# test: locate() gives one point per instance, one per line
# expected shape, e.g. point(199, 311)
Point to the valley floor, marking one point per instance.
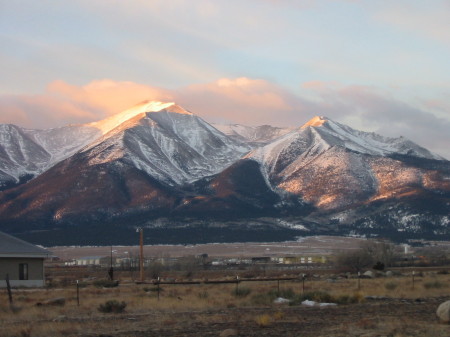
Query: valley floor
point(385, 306)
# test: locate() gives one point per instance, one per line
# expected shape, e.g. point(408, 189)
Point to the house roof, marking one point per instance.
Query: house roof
point(11, 246)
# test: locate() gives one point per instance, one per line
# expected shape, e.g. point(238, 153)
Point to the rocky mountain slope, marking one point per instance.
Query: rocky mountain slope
point(253, 135)
point(26, 153)
point(159, 166)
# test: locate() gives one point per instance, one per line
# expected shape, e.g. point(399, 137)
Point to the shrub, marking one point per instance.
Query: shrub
point(285, 293)
point(203, 294)
point(347, 299)
point(378, 266)
point(317, 296)
point(112, 306)
point(241, 292)
point(279, 315)
point(105, 283)
point(262, 299)
point(434, 285)
point(263, 320)
point(359, 297)
point(344, 299)
point(25, 332)
point(324, 297)
point(82, 284)
point(391, 285)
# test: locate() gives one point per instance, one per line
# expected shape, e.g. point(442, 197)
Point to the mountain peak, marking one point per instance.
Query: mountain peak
point(156, 106)
point(142, 108)
point(316, 121)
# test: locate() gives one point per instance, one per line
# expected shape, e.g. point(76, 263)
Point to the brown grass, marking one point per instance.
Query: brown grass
point(186, 306)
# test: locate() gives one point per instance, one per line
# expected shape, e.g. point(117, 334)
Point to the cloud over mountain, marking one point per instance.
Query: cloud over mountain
point(241, 100)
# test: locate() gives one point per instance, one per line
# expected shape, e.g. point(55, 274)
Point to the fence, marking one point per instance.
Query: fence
point(236, 281)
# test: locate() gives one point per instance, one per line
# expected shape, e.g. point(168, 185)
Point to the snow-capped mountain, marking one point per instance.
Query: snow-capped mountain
point(167, 142)
point(141, 161)
point(176, 149)
point(159, 163)
point(333, 166)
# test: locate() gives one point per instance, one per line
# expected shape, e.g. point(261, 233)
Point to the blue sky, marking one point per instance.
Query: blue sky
point(376, 65)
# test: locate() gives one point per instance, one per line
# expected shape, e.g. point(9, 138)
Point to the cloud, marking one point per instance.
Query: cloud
point(42, 111)
point(107, 95)
point(374, 109)
point(63, 103)
point(243, 100)
point(240, 100)
point(427, 20)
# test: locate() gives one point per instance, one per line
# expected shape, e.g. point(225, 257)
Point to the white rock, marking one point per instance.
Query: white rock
point(281, 300)
point(443, 312)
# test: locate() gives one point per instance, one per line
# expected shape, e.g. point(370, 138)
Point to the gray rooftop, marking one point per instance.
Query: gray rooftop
point(11, 246)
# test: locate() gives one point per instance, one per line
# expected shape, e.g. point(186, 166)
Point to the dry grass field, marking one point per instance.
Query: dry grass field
point(395, 308)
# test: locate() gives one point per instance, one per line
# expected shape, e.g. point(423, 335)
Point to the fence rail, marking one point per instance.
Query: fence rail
point(237, 280)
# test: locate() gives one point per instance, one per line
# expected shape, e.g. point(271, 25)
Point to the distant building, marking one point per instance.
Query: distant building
point(301, 259)
point(23, 262)
point(94, 261)
point(261, 259)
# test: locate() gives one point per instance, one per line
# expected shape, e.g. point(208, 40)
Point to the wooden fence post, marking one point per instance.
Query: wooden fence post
point(8, 286)
point(278, 288)
point(158, 289)
point(78, 294)
point(303, 284)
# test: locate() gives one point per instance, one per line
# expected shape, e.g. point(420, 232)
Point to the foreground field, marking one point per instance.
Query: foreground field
point(380, 307)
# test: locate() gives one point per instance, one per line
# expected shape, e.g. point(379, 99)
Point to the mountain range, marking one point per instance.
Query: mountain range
point(161, 167)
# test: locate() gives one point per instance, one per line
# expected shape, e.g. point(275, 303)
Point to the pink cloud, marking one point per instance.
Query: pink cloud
point(107, 95)
point(243, 100)
point(63, 103)
point(41, 111)
point(240, 100)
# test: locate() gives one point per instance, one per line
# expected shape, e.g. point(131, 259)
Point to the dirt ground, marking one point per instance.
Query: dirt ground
point(378, 318)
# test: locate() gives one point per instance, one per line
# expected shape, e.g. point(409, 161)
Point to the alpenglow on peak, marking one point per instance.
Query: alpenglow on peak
point(142, 108)
point(316, 121)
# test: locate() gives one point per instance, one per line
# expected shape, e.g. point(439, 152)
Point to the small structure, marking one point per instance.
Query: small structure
point(89, 260)
point(261, 259)
point(23, 262)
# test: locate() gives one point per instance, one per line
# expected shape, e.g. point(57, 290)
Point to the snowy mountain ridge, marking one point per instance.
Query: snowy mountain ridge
point(321, 133)
point(254, 135)
point(167, 142)
point(29, 153)
point(334, 166)
point(157, 161)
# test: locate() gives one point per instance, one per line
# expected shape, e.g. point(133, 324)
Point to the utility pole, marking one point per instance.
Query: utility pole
point(111, 268)
point(141, 253)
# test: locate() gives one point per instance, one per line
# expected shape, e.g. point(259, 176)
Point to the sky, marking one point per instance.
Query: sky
point(381, 66)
